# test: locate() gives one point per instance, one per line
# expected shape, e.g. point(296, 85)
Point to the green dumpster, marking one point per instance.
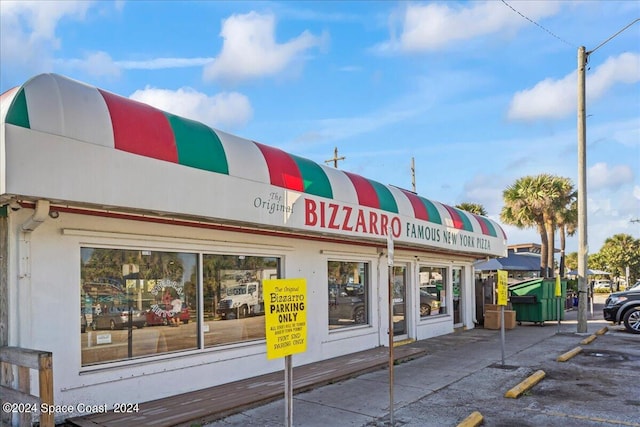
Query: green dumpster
point(535, 300)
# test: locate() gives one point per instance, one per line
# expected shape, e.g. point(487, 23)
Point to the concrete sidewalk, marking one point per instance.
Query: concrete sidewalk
point(460, 373)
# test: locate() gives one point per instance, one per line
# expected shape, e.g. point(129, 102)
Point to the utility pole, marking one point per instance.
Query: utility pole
point(335, 158)
point(583, 249)
point(582, 194)
point(413, 174)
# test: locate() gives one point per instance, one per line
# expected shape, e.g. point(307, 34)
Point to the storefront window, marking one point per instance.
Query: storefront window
point(433, 291)
point(348, 291)
point(136, 303)
point(233, 297)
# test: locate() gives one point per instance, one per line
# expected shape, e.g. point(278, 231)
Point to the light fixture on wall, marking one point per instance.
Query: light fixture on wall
point(54, 214)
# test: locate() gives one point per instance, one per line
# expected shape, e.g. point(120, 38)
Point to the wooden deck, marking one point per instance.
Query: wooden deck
point(213, 403)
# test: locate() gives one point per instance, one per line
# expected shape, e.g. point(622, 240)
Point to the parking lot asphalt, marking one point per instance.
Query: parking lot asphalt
point(463, 373)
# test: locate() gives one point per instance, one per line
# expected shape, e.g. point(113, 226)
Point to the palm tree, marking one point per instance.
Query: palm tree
point(567, 221)
point(560, 193)
point(535, 201)
point(523, 207)
point(474, 208)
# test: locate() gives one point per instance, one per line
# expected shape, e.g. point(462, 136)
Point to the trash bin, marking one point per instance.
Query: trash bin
point(535, 301)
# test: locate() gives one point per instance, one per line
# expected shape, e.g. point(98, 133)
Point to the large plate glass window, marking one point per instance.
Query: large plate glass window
point(234, 298)
point(433, 291)
point(348, 292)
point(136, 303)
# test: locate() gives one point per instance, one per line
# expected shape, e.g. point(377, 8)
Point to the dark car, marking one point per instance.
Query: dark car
point(346, 304)
point(118, 318)
point(624, 307)
point(162, 317)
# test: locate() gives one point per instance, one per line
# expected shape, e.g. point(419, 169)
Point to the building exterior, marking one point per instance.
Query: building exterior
point(521, 263)
point(134, 245)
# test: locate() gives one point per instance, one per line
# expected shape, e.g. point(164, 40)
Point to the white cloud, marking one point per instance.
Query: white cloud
point(557, 98)
point(601, 176)
point(224, 110)
point(343, 128)
point(485, 190)
point(101, 64)
point(434, 26)
point(163, 63)
point(251, 51)
point(28, 31)
point(95, 64)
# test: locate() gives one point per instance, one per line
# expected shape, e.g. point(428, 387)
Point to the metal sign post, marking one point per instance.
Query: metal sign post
point(502, 302)
point(559, 299)
point(286, 328)
point(391, 357)
point(288, 391)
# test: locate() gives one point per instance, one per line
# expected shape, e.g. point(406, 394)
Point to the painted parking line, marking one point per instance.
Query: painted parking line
point(525, 385)
point(569, 354)
point(473, 420)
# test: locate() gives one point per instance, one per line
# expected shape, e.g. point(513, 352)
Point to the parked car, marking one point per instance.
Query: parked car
point(346, 304)
point(118, 318)
point(161, 317)
point(602, 285)
point(624, 307)
point(636, 286)
point(428, 303)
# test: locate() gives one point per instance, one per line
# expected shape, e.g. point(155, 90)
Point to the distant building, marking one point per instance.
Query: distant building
point(522, 262)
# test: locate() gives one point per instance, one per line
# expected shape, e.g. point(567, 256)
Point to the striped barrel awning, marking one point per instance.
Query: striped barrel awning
point(57, 105)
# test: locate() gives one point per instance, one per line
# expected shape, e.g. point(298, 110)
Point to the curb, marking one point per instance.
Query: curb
point(569, 354)
point(525, 385)
point(473, 420)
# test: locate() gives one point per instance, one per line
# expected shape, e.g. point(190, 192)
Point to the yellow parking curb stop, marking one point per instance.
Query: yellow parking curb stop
point(588, 340)
point(602, 331)
point(525, 385)
point(473, 420)
point(569, 354)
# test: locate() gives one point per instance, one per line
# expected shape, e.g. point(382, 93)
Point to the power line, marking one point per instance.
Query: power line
point(607, 40)
point(538, 25)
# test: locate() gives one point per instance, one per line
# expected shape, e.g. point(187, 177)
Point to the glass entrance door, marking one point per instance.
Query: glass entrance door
point(456, 285)
point(399, 282)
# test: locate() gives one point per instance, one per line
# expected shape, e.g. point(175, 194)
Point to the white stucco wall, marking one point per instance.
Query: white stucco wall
point(44, 300)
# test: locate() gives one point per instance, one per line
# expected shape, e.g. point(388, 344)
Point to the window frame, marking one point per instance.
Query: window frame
point(154, 243)
point(368, 291)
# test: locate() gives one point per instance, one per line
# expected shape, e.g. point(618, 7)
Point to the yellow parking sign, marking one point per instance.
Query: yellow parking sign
point(502, 287)
point(285, 317)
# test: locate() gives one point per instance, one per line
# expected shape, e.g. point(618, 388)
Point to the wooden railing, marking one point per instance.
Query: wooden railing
point(21, 398)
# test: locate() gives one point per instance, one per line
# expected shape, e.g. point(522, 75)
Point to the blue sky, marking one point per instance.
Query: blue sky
point(479, 94)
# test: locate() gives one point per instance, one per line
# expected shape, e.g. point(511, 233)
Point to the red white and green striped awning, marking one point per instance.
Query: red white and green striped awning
point(105, 149)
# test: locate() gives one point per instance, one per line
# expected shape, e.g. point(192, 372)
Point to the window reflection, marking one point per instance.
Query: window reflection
point(348, 291)
point(432, 291)
point(233, 297)
point(125, 292)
